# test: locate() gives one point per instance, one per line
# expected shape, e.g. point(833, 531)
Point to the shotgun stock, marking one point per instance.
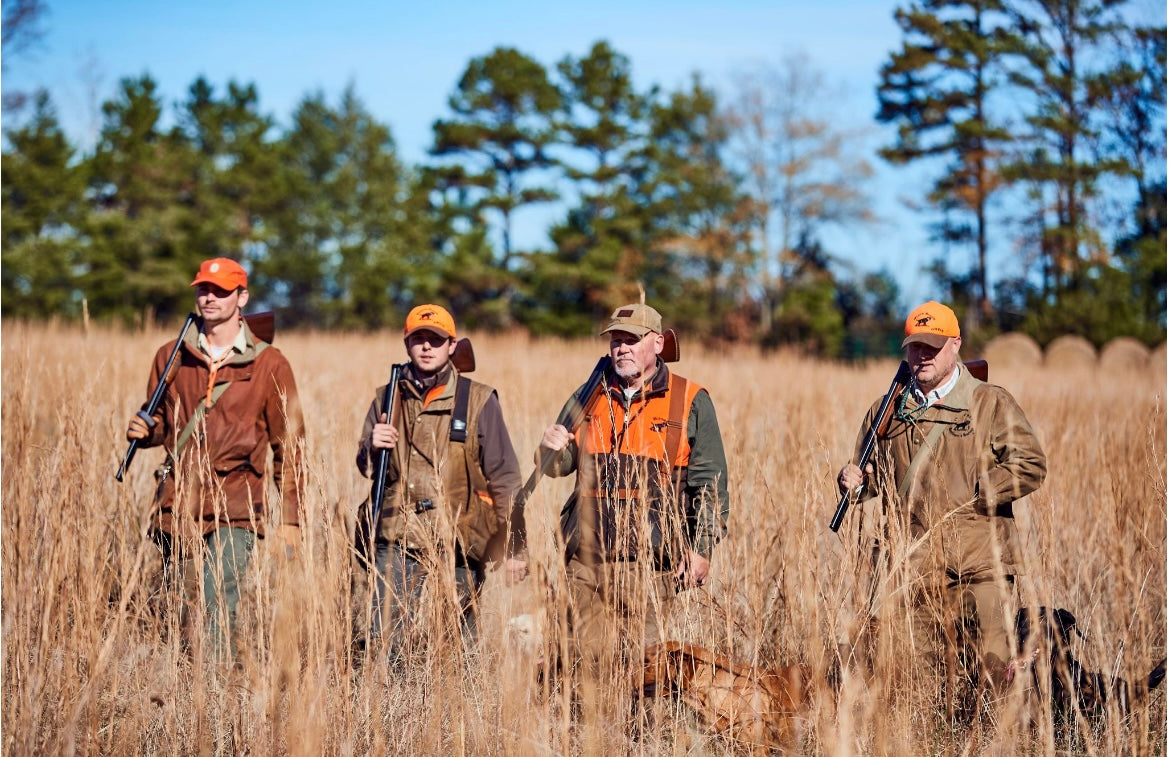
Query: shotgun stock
point(463, 358)
point(263, 325)
point(979, 369)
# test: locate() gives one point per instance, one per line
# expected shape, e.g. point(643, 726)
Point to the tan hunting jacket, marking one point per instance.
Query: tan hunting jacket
point(958, 500)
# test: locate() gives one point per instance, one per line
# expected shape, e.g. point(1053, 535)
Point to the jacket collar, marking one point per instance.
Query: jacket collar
point(447, 378)
point(191, 343)
point(962, 395)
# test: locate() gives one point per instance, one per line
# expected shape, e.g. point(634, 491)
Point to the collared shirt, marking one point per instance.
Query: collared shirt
point(936, 394)
point(240, 345)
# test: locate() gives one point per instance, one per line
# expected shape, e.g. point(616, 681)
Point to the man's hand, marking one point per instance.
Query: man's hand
point(138, 430)
point(517, 569)
point(850, 477)
point(693, 572)
point(555, 438)
point(383, 436)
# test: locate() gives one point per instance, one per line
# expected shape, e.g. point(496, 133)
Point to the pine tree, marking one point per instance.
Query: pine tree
point(698, 234)
point(138, 260)
point(350, 244)
point(43, 208)
point(937, 89)
point(1064, 67)
point(603, 129)
point(498, 136)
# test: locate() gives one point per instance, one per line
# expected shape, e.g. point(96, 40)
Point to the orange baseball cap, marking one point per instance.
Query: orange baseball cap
point(431, 317)
point(932, 323)
point(222, 272)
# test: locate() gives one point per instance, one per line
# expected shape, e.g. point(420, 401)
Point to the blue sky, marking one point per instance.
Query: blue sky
point(404, 59)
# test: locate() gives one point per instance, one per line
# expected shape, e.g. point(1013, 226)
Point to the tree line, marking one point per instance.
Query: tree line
point(715, 202)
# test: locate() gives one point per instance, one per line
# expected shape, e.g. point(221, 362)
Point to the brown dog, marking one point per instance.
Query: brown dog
point(758, 707)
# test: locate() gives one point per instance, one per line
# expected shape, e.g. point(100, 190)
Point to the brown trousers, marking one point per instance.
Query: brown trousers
point(617, 608)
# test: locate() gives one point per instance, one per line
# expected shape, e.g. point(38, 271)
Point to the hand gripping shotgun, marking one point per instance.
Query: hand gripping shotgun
point(978, 368)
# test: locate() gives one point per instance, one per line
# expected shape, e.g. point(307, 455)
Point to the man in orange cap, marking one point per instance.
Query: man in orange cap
point(231, 398)
point(450, 486)
point(956, 458)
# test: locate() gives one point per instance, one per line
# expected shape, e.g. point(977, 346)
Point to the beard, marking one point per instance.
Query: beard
point(627, 369)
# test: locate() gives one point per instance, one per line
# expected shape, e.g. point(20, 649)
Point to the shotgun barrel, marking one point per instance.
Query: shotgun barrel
point(147, 413)
point(900, 380)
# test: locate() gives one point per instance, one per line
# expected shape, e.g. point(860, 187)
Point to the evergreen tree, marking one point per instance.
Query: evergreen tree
point(603, 125)
point(1066, 70)
point(43, 207)
point(233, 168)
point(937, 88)
point(498, 137)
point(697, 249)
point(138, 260)
point(350, 245)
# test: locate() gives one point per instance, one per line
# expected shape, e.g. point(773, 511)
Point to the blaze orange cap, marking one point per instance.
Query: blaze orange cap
point(431, 317)
point(932, 323)
point(222, 272)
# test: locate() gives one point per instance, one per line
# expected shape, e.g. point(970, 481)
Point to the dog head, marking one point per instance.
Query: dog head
point(669, 668)
point(1057, 627)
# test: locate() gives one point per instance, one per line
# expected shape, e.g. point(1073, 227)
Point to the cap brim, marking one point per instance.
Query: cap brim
point(626, 327)
point(937, 341)
point(432, 329)
point(232, 286)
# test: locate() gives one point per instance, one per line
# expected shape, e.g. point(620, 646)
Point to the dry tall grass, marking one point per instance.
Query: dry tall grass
point(94, 664)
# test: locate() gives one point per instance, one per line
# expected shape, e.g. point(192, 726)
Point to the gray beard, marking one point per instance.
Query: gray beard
point(627, 372)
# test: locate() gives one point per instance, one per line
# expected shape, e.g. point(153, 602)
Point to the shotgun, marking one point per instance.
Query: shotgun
point(570, 417)
point(147, 413)
point(377, 492)
point(978, 368)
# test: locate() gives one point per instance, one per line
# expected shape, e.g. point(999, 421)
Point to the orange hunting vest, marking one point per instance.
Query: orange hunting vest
point(632, 467)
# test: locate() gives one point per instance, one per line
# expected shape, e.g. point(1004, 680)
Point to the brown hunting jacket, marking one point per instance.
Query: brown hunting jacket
point(436, 489)
point(221, 468)
point(983, 456)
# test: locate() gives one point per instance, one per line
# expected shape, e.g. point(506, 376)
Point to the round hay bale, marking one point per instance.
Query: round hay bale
point(1069, 352)
point(1157, 358)
point(1124, 353)
point(1012, 350)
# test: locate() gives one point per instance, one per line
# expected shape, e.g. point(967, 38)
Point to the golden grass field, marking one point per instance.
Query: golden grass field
point(90, 668)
